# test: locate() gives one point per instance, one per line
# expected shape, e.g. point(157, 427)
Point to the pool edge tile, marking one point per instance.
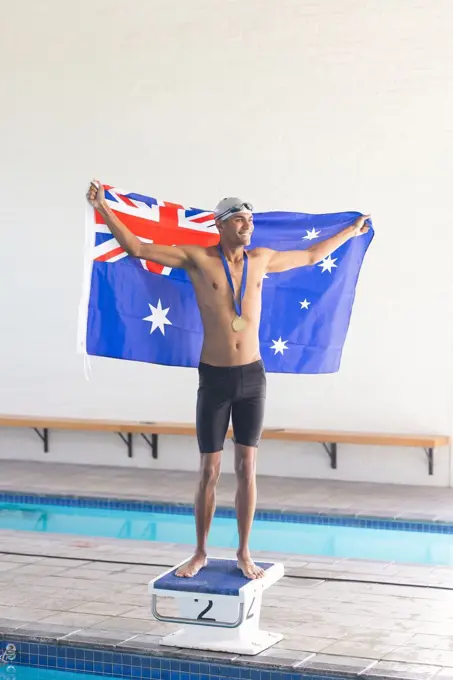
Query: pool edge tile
point(327, 515)
point(83, 656)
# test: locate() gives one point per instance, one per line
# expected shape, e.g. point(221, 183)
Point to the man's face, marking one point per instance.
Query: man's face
point(237, 229)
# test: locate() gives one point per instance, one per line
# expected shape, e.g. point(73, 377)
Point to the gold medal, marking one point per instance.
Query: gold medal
point(238, 323)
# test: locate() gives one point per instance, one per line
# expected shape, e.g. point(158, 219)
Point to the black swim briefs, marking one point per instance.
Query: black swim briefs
point(224, 391)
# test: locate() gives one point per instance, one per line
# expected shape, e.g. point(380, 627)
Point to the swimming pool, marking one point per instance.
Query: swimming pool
point(41, 661)
point(16, 672)
point(372, 539)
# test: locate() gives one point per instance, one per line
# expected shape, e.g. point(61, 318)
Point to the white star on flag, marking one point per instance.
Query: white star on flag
point(304, 304)
point(311, 234)
point(327, 264)
point(158, 318)
point(279, 345)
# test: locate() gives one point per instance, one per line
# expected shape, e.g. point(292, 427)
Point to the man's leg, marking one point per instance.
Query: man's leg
point(245, 468)
point(204, 511)
point(247, 417)
point(213, 417)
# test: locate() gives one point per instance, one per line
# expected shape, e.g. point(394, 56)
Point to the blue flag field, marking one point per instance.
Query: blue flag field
point(139, 311)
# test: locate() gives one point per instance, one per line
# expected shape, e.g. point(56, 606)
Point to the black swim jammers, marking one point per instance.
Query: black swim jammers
point(224, 391)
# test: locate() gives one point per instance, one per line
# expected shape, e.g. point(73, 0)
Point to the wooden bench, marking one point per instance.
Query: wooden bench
point(150, 431)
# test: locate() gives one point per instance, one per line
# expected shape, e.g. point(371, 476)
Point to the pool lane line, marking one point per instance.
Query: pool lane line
point(331, 579)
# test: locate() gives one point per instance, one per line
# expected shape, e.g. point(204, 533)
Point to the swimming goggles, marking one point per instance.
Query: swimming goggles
point(235, 209)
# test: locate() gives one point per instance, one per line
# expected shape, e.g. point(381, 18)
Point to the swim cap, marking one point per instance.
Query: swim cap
point(228, 206)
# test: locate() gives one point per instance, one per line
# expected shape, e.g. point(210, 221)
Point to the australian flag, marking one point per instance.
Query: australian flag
point(140, 311)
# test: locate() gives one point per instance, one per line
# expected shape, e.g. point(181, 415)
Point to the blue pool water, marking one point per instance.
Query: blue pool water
point(17, 672)
point(297, 537)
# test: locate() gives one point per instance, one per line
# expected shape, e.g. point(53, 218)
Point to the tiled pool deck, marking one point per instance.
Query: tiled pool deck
point(337, 616)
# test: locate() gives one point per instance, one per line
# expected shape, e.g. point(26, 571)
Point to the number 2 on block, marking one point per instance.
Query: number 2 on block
point(202, 616)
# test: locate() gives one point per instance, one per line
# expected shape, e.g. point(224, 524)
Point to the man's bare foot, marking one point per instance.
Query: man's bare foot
point(193, 566)
point(249, 568)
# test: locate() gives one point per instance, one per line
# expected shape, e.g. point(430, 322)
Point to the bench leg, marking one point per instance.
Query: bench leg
point(44, 435)
point(152, 443)
point(430, 455)
point(128, 441)
point(332, 453)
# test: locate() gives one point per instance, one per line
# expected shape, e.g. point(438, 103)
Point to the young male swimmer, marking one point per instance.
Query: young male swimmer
point(232, 382)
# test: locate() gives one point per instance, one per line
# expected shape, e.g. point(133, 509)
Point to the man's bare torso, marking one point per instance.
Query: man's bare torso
point(222, 345)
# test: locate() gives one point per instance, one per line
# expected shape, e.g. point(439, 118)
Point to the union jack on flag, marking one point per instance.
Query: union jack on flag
point(140, 311)
point(153, 222)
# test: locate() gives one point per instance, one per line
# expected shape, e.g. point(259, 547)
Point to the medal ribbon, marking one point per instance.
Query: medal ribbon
point(237, 306)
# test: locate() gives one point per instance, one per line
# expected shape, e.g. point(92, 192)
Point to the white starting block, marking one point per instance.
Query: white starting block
point(219, 607)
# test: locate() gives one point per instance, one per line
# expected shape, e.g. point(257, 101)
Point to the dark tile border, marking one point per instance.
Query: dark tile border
point(146, 660)
point(325, 517)
point(146, 663)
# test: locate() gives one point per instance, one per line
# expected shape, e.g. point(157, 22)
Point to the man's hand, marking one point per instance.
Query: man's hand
point(95, 194)
point(181, 257)
point(282, 261)
point(359, 227)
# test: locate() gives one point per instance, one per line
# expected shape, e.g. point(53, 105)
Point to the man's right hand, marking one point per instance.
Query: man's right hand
point(95, 194)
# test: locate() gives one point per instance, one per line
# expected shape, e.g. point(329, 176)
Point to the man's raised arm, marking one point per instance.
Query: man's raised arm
point(168, 256)
point(281, 261)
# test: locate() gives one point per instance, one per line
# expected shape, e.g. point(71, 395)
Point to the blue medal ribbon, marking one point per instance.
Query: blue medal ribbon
point(238, 306)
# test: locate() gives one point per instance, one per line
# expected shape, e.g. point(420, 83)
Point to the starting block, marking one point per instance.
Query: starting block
point(219, 608)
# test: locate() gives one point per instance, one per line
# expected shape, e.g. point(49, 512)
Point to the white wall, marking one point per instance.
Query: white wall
point(314, 106)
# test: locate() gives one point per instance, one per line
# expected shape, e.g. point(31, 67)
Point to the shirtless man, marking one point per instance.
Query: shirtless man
point(232, 378)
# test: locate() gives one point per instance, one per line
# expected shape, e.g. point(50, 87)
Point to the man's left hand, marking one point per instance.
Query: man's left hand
point(359, 227)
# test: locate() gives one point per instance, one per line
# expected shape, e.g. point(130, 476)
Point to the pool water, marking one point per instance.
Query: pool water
point(330, 540)
point(16, 672)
